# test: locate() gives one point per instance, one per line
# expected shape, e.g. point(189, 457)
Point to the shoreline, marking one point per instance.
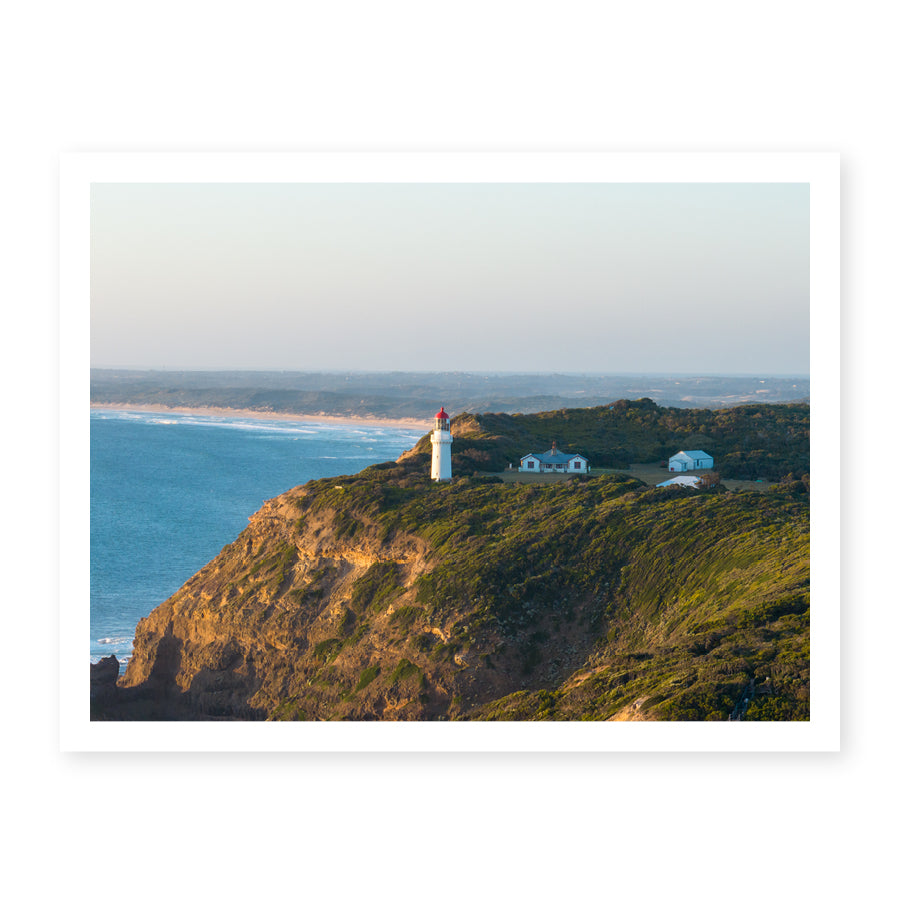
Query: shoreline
point(229, 412)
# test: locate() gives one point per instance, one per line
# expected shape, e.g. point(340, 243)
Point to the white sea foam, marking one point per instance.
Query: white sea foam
point(114, 642)
point(286, 426)
point(279, 428)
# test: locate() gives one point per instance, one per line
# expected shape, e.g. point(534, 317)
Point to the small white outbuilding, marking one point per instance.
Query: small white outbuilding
point(681, 481)
point(688, 460)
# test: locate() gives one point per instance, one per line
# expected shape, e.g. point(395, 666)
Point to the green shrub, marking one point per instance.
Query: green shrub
point(404, 617)
point(376, 586)
point(367, 677)
point(405, 669)
point(327, 649)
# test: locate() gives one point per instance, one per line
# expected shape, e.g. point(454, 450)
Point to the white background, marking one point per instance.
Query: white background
point(821, 172)
point(463, 76)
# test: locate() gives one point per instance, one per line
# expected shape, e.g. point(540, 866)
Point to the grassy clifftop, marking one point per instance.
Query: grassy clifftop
point(386, 596)
point(602, 593)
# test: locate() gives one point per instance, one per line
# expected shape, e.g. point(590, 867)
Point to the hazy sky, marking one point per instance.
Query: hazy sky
point(692, 278)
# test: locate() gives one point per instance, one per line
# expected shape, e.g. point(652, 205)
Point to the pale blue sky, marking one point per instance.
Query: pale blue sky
point(693, 278)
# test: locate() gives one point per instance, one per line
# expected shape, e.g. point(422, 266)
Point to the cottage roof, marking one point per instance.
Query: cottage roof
point(553, 456)
point(694, 454)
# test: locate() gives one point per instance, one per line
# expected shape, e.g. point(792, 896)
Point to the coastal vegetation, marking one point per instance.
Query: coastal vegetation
point(384, 595)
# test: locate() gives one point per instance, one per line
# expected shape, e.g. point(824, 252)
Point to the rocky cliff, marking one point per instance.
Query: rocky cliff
point(385, 596)
point(297, 618)
point(259, 625)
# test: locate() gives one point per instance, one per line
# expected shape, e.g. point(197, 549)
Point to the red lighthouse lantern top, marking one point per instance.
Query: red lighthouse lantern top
point(441, 421)
point(442, 414)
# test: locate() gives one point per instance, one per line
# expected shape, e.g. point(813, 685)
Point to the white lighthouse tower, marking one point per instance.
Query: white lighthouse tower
point(441, 439)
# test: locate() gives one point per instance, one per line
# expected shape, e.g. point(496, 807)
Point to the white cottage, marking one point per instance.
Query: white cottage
point(688, 460)
point(554, 461)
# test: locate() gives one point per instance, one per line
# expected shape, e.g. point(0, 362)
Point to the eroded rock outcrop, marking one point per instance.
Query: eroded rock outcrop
point(104, 675)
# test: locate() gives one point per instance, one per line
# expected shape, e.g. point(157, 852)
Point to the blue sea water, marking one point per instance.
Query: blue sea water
point(169, 491)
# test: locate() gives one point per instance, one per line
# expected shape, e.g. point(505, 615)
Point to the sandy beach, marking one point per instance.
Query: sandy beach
point(424, 424)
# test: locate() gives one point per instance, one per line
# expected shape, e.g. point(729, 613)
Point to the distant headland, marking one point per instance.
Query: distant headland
point(409, 397)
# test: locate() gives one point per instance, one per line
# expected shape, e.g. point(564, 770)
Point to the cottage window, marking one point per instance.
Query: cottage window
point(531, 464)
point(577, 464)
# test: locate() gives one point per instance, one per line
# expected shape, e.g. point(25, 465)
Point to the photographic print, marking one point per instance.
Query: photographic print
point(450, 451)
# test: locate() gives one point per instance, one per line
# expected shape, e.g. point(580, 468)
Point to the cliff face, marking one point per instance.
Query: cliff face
point(258, 626)
point(298, 619)
point(385, 596)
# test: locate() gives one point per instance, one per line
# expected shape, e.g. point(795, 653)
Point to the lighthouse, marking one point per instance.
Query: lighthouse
point(441, 439)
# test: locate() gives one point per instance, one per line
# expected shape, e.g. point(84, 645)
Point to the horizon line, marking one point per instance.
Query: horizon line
point(496, 372)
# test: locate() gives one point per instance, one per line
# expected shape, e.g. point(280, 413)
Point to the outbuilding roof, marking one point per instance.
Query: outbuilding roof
point(681, 481)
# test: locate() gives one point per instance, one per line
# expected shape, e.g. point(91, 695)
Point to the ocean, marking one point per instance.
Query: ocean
point(170, 490)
